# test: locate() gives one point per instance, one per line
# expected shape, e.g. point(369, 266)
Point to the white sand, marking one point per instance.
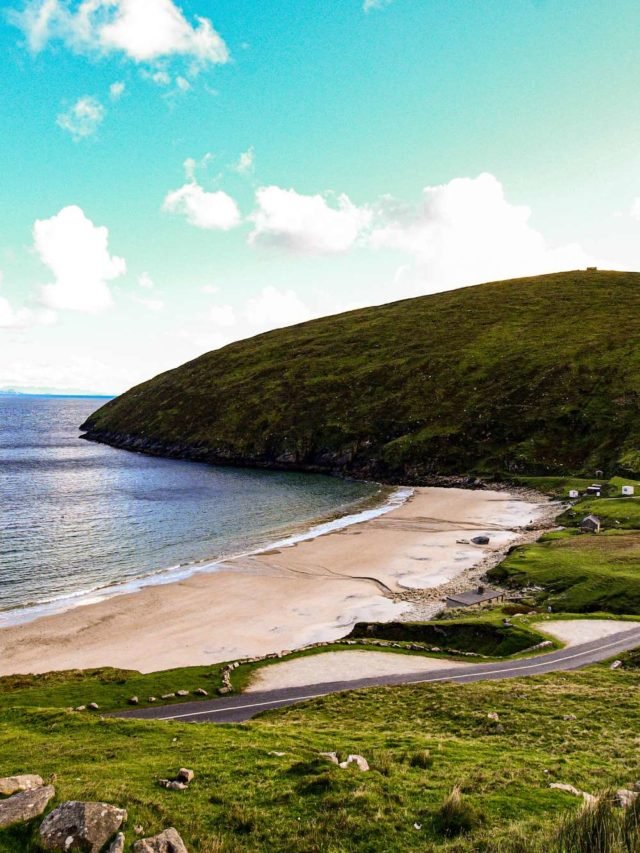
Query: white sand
point(572, 632)
point(311, 592)
point(343, 666)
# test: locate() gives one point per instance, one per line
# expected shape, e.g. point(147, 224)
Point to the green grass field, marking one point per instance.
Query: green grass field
point(420, 742)
point(483, 380)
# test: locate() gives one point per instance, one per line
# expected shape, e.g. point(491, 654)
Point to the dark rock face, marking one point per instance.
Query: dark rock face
point(81, 826)
point(167, 842)
point(25, 805)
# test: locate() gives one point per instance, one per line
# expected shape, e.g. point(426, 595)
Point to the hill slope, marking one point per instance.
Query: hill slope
point(537, 375)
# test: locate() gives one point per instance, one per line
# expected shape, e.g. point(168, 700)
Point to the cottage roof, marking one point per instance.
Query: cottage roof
point(472, 596)
point(591, 518)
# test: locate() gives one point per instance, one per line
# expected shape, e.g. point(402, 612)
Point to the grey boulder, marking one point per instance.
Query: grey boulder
point(14, 784)
point(25, 805)
point(167, 842)
point(81, 826)
point(118, 844)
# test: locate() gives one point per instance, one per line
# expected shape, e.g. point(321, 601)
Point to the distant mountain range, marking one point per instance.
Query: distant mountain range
point(536, 375)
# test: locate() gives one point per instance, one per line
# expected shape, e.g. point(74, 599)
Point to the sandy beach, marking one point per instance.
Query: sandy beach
point(285, 598)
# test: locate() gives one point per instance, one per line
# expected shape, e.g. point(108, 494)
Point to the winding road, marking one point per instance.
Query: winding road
point(237, 709)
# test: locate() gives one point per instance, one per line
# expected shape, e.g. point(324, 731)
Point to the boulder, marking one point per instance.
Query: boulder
point(168, 696)
point(134, 700)
point(25, 805)
point(492, 715)
point(624, 797)
point(81, 826)
point(172, 784)
point(480, 540)
point(185, 775)
point(330, 756)
point(167, 842)
point(93, 706)
point(182, 692)
point(359, 760)
point(14, 784)
point(200, 691)
point(616, 664)
point(568, 789)
point(118, 844)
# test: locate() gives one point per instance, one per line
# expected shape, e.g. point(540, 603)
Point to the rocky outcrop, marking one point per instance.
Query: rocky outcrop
point(14, 784)
point(167, 842)
point(81, 826)
point(25, 805)
point(118, 844)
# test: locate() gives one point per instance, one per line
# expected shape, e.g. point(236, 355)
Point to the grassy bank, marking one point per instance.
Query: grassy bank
point(420, 742)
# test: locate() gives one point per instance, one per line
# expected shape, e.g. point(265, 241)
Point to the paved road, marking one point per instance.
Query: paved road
point(236, 709)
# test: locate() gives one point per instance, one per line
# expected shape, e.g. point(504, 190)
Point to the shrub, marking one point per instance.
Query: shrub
point(456, 816)
point(422, 758)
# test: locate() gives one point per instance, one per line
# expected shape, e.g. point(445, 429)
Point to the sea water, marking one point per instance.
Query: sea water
point(80, 521)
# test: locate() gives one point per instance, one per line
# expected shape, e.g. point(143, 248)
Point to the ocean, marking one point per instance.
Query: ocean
point(80, 521)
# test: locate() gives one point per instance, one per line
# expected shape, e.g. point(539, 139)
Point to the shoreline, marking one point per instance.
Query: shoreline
point(387, 499)
point(289, 595)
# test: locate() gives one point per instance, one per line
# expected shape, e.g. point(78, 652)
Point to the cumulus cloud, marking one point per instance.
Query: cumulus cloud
point(223, 316)
point(307, 224)
point(466, 231)
point(215, 211)
point(273, 308)
point(116, 90)
point(77, 253)
point(246, 162)
point(83, 118)
point(142, 30)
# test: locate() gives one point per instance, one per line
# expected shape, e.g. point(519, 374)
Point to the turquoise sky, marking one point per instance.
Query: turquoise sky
point(344, 115)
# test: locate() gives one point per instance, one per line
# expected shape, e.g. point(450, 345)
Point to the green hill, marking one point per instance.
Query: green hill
point(538, 375)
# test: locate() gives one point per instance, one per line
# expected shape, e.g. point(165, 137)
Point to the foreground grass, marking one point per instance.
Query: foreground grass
point(420, 741)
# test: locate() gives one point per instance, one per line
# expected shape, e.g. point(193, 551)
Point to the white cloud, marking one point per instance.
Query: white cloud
point(149, 303)
point(466, 232)
point(183, 84)
point(246, 162)
point(142, 30)
point(368, 5)
point(83, 118)
point(145, 280)
point(222, 315)
point(77, 253)
point(306, 223)
point(161, 78)
point(274, 308)
point(215, 211)
point(116, 90)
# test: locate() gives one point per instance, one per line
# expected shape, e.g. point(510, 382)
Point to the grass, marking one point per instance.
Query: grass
point(420, 742)
point(377, 393)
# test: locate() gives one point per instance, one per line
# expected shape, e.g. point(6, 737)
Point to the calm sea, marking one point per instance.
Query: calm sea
point(77, 518)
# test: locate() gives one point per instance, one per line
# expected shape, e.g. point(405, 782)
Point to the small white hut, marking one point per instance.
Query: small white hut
point(628, 491)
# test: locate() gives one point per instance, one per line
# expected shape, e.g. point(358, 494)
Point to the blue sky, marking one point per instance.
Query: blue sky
point(179, 175)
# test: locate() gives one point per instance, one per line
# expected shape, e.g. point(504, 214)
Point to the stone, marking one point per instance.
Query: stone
point(14, 784)
point(359, 760)
point(93, 706)
point(200, 692)
point(624, 797)
point(616, 664)
point(182, 692)
point(167, 842)
point(569, 717)
point(492, 715)
point(330, 756)
point(168, 696)
point(172, 784)
point(185, 775)
point(224, 690)
point(80, 708)
point(151, 699)
point(480, 540)
point(25, 805)
point(81, 826)
point(118, 844)
point(134, 700)
point(568, 789)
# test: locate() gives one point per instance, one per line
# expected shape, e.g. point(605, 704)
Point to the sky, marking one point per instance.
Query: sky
point(179, 175)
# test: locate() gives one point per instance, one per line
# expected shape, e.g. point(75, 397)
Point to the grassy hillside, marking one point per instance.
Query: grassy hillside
point(534, 376)
point(262, 787)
